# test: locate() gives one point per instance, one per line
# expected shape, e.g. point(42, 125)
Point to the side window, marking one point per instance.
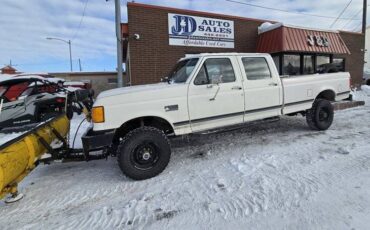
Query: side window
point(201, 78)
point(215, 70)
point(15, 91)
point(256, 68)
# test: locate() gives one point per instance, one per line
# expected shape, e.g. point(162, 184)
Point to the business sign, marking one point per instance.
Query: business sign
point(185, 30)
point(321, 41)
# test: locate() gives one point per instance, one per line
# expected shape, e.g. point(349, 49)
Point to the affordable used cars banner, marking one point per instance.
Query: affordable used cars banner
point(185, 30)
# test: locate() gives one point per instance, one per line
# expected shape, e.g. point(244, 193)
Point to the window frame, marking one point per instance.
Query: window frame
point(203, 62)
point(303, 63)
point(343, 61)
point(299, 61)
point(322, 55)
point(246, 75)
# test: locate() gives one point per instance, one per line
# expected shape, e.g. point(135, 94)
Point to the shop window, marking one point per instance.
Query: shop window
point(291, 64)
point(214, 71)
point(308, 64)
point(256, 68)
point(277, 62)
point(339, 64)
point(322, 63)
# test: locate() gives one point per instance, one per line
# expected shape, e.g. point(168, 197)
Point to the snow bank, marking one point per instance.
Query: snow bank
point(361, 95)
point(267, 26)
point(366, 89)
point(8, 137)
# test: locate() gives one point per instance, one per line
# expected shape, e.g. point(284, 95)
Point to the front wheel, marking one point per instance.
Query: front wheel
point(144, 153)
point(321, 115)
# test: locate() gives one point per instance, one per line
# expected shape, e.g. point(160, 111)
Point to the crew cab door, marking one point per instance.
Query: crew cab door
point(215, 95)
point(262, 88)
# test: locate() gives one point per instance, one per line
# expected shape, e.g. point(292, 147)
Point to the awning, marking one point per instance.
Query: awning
point(281, 38)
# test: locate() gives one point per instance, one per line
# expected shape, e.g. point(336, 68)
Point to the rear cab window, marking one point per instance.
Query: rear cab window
point(256, 68)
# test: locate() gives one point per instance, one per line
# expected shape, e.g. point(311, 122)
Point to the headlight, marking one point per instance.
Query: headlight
point(97, 114)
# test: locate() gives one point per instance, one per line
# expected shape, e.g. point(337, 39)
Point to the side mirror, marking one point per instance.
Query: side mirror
point(216, 80)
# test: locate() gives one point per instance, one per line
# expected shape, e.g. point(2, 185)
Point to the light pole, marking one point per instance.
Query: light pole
point(70, 49)
point(119, 43)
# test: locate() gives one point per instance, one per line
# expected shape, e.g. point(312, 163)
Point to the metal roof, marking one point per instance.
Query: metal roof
point(294, 39)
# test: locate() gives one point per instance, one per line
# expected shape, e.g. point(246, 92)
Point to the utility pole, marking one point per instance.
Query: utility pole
point(364, 17)
point(119, 43)
point(79, 62)
point(70, 55)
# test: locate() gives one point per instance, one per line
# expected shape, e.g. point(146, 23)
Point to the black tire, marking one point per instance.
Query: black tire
point(368, 82)
point(144, 153)
point(321, 115)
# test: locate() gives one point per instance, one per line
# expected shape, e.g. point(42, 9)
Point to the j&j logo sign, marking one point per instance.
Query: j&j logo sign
point(184, 25)
point(187, 30)
point(321, 41)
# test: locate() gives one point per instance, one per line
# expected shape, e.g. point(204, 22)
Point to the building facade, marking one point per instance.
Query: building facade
point(100, 81)
point(156, 37)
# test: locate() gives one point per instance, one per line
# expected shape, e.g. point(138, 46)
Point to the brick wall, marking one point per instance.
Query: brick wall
point(152, 57)
point(354, 61)
point(99, 81)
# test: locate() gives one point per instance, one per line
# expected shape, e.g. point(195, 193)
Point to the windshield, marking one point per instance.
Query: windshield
point(182, 70)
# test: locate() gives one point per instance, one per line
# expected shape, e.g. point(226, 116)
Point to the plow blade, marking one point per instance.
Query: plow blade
point(20, 156)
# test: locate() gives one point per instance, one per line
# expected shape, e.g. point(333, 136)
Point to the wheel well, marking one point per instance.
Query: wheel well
point(327, 95)
point(156, 122)
point(368, 82)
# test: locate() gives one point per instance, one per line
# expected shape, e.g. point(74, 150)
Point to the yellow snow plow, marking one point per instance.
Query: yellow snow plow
point(21, 155)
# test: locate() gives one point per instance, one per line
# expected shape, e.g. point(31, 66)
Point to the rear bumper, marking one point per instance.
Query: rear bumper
point(93, 141)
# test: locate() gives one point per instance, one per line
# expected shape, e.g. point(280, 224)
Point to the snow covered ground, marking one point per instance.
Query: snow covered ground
point(277, 175)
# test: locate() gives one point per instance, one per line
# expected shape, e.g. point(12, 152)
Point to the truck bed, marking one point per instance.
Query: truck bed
point(300, 91)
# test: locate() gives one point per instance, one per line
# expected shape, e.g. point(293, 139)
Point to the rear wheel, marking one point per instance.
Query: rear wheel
point(321, 115)
point(144, 153)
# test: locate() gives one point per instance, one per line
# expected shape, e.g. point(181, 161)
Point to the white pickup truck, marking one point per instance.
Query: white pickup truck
point(205, 92)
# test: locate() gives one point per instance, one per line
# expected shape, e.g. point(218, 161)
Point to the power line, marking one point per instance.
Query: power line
point(345, 8)
point(356, 29)
point(286, 11)
point(82, 17)
point(354, 16)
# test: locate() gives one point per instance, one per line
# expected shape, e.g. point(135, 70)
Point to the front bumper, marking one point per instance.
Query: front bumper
point(94, 141)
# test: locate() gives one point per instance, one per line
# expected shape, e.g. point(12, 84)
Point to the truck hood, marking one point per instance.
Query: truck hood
point(141, 92)
point(134, 89)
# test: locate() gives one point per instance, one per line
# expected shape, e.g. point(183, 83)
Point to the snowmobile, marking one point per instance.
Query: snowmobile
point(27, 101)
point(42, 110)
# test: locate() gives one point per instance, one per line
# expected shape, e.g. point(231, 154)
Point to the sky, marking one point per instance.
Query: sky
point(25, 25)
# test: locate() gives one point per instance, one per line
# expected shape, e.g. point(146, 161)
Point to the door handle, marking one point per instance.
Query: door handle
point(236, 88)
point(273, 84)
